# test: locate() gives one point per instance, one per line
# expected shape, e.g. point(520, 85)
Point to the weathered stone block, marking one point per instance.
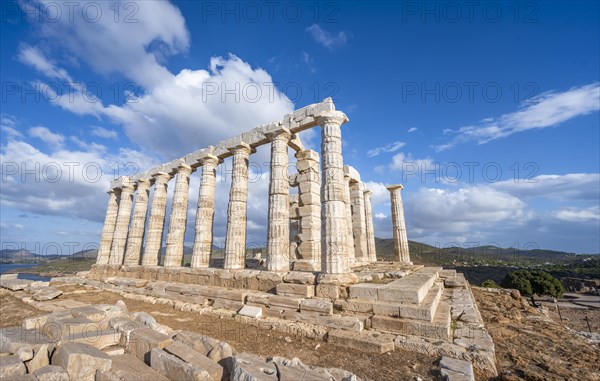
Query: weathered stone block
point(39, 360)
point(456, 370)
point(174, 368)
point(329, 291)
point(367, 291)
point(248, 367)
point(81, 361)
point(143, 340)
point(317, 305)
point(11, 367)
point(365, 341)
point(198, 360)
point(251, 311)
point(295, 290)
point(299, 277)
point(51, 373)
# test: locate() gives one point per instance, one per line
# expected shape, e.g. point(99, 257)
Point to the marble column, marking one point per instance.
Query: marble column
point(400, 238)
point(156, 221)
point(278, 235)
point(205, 213)
point(359, 226)
point(370, 229)
point(235, 241)
point(178, 219)
point(334, 226)
point(350, 236)
point(117, 249)
point(108, 230)
point(135, 238)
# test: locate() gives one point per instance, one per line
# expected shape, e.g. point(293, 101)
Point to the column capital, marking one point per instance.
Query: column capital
point(184, 169)
point(392, 188)
point(332, 117)
point(209, 159)
point(241, 147)
point(368, 192)
point(143, 183)
point(281, 134)
point(161, 178)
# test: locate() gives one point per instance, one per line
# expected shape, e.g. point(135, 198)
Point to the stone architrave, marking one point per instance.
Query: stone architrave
point(205, 213)
point(278, 243)
point(370, 229)
point(235, 241)
point(334, 226)
point(117, 249)
point(350, 236)
point(108, 230)
point(359, 225)
point(399, 226)
point(156, 221)
point(178, 220)
point(135, 238)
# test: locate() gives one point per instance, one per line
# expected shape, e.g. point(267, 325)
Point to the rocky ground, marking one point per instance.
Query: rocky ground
point(532, 344)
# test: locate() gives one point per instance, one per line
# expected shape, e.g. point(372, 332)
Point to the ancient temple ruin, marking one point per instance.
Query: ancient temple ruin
point(320, 276)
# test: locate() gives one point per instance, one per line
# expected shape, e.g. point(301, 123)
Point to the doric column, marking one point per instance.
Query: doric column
point(334, 227)
point(235, 241)
point(178, 220)
point(370, 229)
point(350, 235)
point(400, 239)
point(138, 222)
point(359, 225)
point(156, 223)
point(117, 249)
point(278, 235)
point(108, 230)
point(205, 213)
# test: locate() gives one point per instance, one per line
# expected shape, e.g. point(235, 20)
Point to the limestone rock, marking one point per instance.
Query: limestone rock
point(251, 311)
point(11, 367)
point(143, 340)
point(174, 368)
point(215, 349)
point(39, 360)
point(126, 367)
point(196, 359)
point(456, 370)
point(81, 360)
point(24, 352)
point(51, 373)
point(248, 367)
point(47, 293)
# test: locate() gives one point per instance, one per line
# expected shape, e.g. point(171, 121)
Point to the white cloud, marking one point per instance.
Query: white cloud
point(309, 61)
point(391, 147)
point(579, 215)
point(327, 39)
point(412, 129)
point(568, 187)
point(51, 139)
point(104, 133)
point(132, 47)
point(8, 124)
point(546, 110)
point(35, 57)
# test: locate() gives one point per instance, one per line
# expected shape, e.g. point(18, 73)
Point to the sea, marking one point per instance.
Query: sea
point(4, 267)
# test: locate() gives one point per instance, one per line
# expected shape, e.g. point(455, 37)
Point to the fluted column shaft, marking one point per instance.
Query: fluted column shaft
point(278, 235)
point(235, 241)
point(334, 226)
point(178, 219)
point(117, 249)
point(156, 223)
point(370, 229)
point(359, 226)
point(350, 234)
point(205, 213)
point(138, 223)
point(400, 238)
point(108, 229)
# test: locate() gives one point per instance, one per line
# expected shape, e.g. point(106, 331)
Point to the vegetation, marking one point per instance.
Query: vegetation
point(530, 283)
point(489, 283)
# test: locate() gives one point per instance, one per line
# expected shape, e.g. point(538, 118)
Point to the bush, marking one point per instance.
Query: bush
point(489, 283)
point(534, 282)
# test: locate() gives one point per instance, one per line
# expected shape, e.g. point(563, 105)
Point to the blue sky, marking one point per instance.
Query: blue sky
point(487, 113)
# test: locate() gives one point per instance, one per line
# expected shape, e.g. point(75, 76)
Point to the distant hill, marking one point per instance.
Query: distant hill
point(425, 254)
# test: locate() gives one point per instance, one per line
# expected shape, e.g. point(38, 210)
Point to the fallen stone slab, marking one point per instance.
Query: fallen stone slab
point(8, 276)
point(249, 367)
point(294, 369)
point(99, 339)
point(40, 359)
point(142, 341)
point(11, 367)
point(114, 351)
point(126, 367)
point(12, 338)
point(323, 306)
point(216, 350)
point(51, 373)
point(175, 368)
point(81, 360)
point(456, 370)
point(198, 360)
point(15, 284)
point(374, 342)
point(46, 293)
